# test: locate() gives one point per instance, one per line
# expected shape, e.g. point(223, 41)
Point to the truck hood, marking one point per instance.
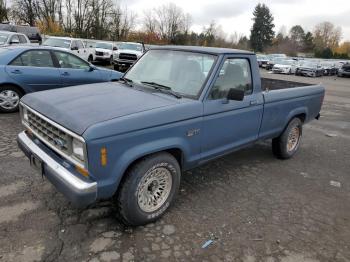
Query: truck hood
point(129, 51)
point(77, 108)
point(104, 50)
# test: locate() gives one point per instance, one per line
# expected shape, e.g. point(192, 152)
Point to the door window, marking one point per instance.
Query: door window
point(22, 39)
point(80, 45)
point(36, 58)
point(14, 39)
point(67, 60)
point(235, 73)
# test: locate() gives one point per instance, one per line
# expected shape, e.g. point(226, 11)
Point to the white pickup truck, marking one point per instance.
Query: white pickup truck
point(74, 45)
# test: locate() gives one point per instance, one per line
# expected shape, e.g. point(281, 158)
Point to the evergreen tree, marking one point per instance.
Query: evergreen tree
point(309, 42)
point(262, 33)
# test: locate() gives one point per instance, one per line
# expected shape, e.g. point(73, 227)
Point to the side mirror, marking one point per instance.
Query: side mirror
point(115, 48)
point(92, 68)
point(74, 48)
point(235, 94)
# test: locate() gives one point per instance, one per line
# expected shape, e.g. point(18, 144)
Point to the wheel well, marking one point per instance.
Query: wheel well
point(175, 152)
point(302, 117)
point(14, 85)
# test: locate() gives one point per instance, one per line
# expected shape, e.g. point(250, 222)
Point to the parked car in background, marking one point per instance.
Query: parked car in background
point(285, 67)
point(31, 32)
point(329, 68)
point(11, 38)
point(105, 52)
point(344, 70)
point(75, 46)
point(276, 60)
point(262, 60)
point(27, 69)
point(131, 141)
point(309, 68)
point(127, 54)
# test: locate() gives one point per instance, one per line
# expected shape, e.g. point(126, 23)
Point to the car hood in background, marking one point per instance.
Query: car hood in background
point(129, 51)
point(282, 66)
point(103, 50)
point(77, 108)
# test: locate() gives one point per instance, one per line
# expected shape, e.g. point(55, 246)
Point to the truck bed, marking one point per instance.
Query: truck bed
point(275, 84)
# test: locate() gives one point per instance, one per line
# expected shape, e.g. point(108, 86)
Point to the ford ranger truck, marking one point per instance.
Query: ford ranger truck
point(175, 109)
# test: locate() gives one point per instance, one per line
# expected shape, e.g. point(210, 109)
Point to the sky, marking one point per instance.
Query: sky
point(236, 15)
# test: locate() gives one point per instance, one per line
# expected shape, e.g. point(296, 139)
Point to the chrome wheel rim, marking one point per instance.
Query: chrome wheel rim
point(293, 139)
point(154, 189)
point(9, 99)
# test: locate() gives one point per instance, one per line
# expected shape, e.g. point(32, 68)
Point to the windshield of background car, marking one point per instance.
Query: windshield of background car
point(104, 46)
point(3, 38)
point(287, 62)
point(135, 47)
point(57, 42)
point(184, 72)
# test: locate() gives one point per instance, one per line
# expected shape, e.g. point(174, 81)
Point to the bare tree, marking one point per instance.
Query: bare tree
point(326, 35)
point(170, 21)
point(149, 21)
point(23, 11)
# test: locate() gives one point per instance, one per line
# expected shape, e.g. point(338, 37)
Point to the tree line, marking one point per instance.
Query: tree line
point(169, 24)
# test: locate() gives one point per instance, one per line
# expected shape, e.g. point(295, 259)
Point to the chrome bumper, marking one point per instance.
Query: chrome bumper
point(78, 191)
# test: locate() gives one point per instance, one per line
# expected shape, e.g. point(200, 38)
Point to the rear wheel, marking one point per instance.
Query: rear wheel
point(148, 189)
point(287, 144)
point(9, 99)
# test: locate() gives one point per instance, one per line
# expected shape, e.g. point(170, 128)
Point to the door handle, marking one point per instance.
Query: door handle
point(17, 72)
point(253, 102)
point(65, 74)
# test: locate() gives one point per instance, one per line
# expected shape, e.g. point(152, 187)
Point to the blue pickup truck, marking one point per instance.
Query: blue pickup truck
point(175, 109)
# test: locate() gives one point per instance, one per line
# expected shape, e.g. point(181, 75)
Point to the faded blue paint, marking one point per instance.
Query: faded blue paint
point(132, 123)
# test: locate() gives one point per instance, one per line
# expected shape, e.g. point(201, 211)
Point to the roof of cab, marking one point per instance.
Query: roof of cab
point(203, 49)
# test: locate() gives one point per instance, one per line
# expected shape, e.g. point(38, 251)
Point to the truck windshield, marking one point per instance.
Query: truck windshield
point(57, 42)
point(130, 46)
point(3, 38)
point(104, 46)
point(184, 72)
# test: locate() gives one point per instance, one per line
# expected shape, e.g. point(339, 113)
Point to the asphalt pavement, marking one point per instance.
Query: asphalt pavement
point(249, 205)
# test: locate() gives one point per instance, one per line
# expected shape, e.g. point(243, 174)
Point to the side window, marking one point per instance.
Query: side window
point(22, 39)
point(80, 45)
point(67, 60)
point(235, 73)
point(36, 58)
point(74, 45)
point(14, 39)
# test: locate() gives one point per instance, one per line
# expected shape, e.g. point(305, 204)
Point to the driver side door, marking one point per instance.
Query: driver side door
point(75, 71)
point(229, 124)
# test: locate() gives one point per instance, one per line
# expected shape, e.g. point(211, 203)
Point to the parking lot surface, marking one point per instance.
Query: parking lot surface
point(252, 206)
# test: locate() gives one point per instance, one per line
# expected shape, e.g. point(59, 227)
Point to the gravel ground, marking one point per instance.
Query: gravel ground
point(253, 206)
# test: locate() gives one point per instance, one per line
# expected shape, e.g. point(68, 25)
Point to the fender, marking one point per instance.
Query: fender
point(139, 151)
point(295, 112)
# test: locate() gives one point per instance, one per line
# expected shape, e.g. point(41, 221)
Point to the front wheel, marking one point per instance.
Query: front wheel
point(148, 189)
point(9, 99)
point(287, 144)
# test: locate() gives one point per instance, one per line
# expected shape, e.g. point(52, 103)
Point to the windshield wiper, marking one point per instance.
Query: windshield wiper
point(126, 81)
point(163, 88)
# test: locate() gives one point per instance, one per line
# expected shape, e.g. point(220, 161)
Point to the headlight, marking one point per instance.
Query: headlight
point(78, 148)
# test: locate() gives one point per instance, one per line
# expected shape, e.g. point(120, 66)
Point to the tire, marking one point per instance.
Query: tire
point(90, 59)
point(132, 209)
point(111, 60)
point(116, 67)
point(12, 95)
point(287, 144)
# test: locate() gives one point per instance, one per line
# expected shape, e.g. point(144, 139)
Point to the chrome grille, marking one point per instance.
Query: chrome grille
point(51, 134)
point(127, 56)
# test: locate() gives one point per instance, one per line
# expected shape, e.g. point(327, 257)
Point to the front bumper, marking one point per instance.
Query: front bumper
point(102, 58)
point(124, 62)
point(80, 192)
